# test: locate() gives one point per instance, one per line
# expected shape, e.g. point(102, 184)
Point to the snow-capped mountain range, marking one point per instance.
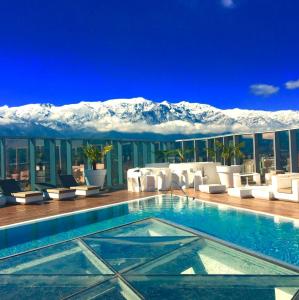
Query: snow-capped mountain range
point(137, 117)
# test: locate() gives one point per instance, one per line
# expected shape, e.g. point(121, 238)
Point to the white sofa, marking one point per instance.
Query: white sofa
point(176, 175)
point(286, 187)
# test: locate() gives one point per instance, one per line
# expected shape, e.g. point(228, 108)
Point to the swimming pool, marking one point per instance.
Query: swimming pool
point(277, 238)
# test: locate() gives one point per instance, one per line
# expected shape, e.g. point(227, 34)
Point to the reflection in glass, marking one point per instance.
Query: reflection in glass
point(78, 160)
point(61, 159)
point(115, 156)
point(42, 160)
point(283, 150)
point(247, 161)
point(127, 157)
point(265, 144)
point(17, 160)
point(188, 147)
point(201, 150)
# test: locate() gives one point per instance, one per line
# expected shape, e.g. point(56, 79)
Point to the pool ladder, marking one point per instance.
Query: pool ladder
point(180, 188)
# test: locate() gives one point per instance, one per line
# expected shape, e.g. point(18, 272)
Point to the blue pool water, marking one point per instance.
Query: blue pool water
point(256, 232)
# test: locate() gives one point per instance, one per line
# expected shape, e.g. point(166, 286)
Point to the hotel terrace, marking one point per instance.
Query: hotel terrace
point(129, 239)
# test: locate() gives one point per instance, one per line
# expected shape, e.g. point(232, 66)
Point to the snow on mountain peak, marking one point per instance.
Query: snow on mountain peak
point(140, 115)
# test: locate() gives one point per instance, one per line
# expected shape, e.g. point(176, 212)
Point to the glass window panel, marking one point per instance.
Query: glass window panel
point(114, 164)
point(297, 148)
point(247, 150)
point(283, 150)
point(17, 160)
point(42, 161)
point(201, 150)
point(127, 157)
point(148, 153)
point(265, 143)
point(78, 160)
point(140, 154)
point(218, 151)
point(211, 145)
point(159, 157)
point(61, 156)
point(188, 147)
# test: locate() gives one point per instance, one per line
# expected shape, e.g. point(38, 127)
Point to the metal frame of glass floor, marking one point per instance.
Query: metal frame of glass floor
point(147, 259)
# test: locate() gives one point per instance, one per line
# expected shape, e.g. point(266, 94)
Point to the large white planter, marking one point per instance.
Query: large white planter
point(95, 177)
point(226, 174)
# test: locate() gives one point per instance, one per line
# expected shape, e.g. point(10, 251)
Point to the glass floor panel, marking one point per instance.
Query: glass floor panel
point(66, 258)
point(215, 287)
point(113, 289)
point(147, 227)
point(45, 286)
point(145, 259)
point(202, 256)
point(128, 252)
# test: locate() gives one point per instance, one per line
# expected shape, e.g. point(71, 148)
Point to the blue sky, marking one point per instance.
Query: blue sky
point(227, 53)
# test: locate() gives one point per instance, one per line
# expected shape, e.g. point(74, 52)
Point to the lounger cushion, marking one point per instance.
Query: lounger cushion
point(84, 187)
point(27, 194)
point(26, 197)
point(59, 191)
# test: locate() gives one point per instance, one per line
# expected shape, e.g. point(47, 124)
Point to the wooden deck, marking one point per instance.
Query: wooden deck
point(18, 213)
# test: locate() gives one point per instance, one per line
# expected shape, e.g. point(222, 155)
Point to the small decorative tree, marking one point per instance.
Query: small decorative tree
point(178, 153)
point(95, 155)
point(227, 152)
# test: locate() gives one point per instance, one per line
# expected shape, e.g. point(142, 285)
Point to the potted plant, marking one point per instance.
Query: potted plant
point(96, 176)
point(179, 154)
point(227, 153)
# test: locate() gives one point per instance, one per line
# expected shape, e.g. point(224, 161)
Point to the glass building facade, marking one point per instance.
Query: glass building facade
point(38, 160)
point(262, 152)
point(32, 161)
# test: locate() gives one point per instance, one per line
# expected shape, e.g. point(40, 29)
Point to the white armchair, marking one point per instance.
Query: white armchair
point(179, 178)
point(199, 179)
point(286, 187)
point(133, 178)
point(163, 183)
